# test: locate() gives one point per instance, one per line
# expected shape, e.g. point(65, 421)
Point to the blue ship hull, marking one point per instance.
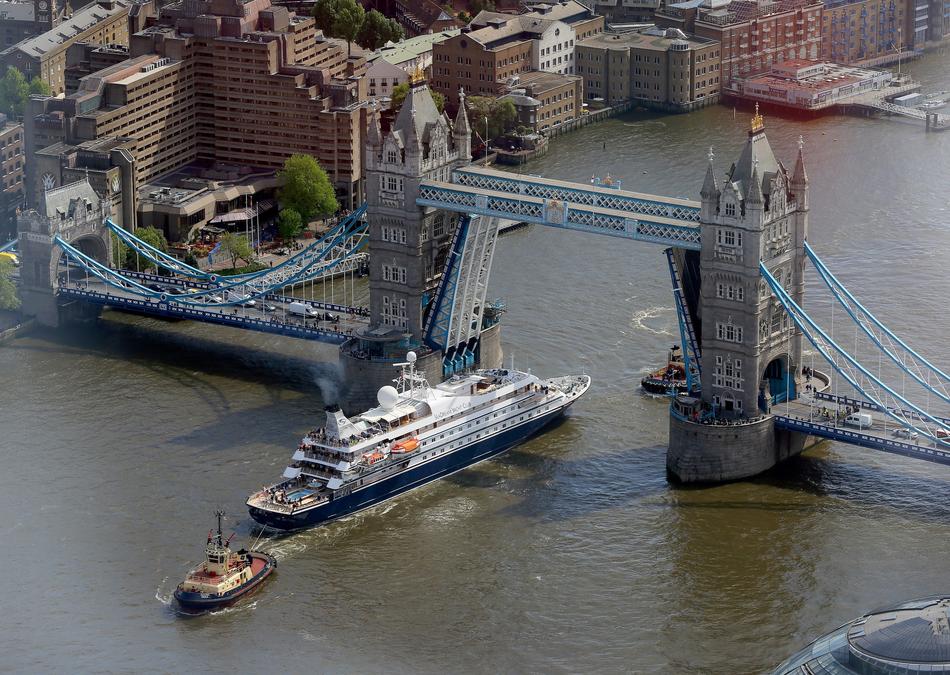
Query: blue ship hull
point(410, 479)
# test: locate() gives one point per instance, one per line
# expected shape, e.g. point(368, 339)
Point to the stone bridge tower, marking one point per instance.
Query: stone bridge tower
point(751, 350)
point(408, 244)
point(77, 214)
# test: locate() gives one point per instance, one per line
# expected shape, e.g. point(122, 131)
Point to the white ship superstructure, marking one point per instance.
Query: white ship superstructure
point(416, 434)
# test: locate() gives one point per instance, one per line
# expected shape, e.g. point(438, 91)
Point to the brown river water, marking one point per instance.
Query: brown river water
point(570, 554)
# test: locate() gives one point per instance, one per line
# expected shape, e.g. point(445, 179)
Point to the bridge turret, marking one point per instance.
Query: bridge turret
point(710, 192)
point(799, 183)
point(462, 132)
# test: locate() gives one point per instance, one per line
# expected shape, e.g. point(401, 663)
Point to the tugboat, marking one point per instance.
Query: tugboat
point(669, 380)
point(224, 576)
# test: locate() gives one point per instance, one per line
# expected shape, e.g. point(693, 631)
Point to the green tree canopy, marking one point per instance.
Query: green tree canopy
point(236, 247)
point(38, 86)
point(306, 188)
point(478, 5)
point(15, 90)
point(464, 17)
point(377, 30)
point(289, 224)
point(501, 115)
point(339, 19)
point(8, 295)
point(152, 236)
point(401, 91)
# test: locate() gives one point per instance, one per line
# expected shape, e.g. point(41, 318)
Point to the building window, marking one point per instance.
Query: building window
point(728, 332)
point(730, 238)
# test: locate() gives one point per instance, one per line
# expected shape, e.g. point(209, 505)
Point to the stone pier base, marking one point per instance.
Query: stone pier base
point(708, 453)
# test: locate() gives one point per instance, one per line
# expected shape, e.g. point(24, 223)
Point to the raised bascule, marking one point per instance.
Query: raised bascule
point(736, 258)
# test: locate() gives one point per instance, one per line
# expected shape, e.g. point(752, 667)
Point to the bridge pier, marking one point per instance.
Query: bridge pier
point(713, 453)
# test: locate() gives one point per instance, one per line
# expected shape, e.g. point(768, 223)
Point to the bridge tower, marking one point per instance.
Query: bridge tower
point(751, 350)
point(77, 214)
point(409, 245)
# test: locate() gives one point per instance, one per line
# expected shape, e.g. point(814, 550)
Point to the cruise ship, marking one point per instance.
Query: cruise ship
point(417, 434)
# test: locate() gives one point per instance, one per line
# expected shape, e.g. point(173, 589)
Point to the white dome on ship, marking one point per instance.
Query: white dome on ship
point(411, 357)
point(388, 397)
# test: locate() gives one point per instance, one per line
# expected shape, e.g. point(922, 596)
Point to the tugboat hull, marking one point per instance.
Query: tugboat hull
point(263, 566)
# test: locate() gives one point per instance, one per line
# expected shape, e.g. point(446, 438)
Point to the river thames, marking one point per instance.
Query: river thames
point(570, 554)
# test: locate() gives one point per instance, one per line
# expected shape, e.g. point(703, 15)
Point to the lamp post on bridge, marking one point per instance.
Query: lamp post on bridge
point(486, 140)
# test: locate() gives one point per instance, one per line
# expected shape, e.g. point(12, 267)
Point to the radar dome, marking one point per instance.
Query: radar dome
point(387, 397)
point(411, 357)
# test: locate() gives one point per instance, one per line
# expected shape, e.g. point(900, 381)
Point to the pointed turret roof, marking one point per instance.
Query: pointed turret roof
point(375, 134)
point(756, 153)
point(461, 119)
point(754, 195)
point(418, 112)
point(710, 186)
point(799, 177)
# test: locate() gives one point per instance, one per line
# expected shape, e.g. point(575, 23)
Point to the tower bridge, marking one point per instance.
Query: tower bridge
point(736, 257)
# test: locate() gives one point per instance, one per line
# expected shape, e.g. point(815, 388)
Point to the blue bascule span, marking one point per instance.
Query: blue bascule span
point(885, 398)
point(689, 345)
point(439, 318)
point(518, 207)
point(925, 373)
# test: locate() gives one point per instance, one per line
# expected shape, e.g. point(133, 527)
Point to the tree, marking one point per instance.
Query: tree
point(120, 252)
point(502, 115)
point(236, 247)
point(153, 237)
point(479, 5)
point(289, 224)
point(464, 17)
point(14, 90)
point(401, 91)
point(377, 30)
point(8, 295)
point(190, 259)
point(38, 86)
point(306, 188)
point(339, 19)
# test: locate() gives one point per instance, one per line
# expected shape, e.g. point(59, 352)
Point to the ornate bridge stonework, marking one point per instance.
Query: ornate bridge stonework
point(409, 244)
point(75, 213)
point(751, 350)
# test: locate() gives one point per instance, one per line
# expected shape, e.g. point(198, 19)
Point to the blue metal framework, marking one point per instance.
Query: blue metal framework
point(157, 307)
point(351, 225)
point(10, 246)
point(919, 366)
point(864, 440)
point(820, 340)
point(440, 315)
point(555, 213)
point(692, 362)
point(577, 193)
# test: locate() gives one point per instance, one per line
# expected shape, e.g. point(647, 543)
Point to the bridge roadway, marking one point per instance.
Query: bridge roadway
point(804, 414)
point(599, 210)
point(268, 316)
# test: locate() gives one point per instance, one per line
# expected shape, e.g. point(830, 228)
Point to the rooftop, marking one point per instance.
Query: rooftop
point(80, 22)
point(412, 48)
point(813, 75)
point(659, 39)
point(16, 11)
point(539, 81)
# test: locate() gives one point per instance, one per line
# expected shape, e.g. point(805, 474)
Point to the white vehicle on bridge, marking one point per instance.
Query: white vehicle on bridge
point(906, 433)
point(304, 310)
point(859, 420)
point(243, 300)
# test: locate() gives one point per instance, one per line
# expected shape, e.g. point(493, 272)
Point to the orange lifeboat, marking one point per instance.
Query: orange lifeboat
point(405, 446)
point(373, 457)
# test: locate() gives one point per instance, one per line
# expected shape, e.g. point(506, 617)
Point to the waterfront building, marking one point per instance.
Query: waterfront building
point(202, 83)
point(660, 68)
point(807, 85)
point(494, 50)
point(904, 639)
point(44, 56)
point(546, 100)
point(11, 173)
point(753, 34)
point(866, 32)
